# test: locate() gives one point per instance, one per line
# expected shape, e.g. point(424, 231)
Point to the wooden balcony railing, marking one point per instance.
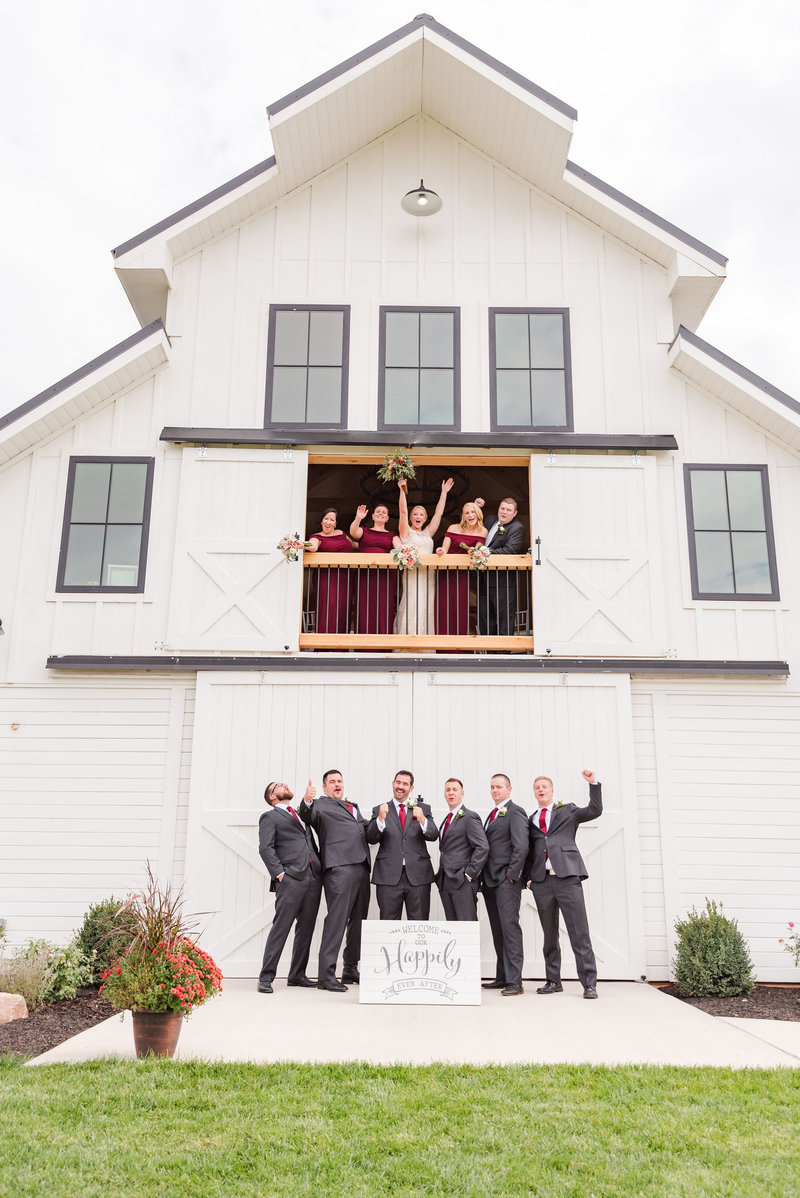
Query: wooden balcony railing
point(362, 601)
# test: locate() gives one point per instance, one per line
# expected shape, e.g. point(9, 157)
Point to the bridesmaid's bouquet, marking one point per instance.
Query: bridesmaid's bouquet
point(406, 557)
point(290, 546)
point(478, 555)
point(396, 465)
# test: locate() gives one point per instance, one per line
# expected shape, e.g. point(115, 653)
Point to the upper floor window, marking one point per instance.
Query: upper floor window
point(106, 525)
point(307, 366)
point(530, 375)
point(419, 368)
point(731, 544)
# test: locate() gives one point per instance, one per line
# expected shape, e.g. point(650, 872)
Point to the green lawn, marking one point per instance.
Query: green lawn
point(159, 1128)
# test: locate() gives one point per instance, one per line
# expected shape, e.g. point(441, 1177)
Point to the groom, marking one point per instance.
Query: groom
point(497, 589)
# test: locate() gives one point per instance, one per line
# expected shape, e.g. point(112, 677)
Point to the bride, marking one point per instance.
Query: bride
point(415, 613)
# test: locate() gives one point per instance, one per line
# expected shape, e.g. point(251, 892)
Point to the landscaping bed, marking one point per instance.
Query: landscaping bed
point(53, 1024)
point(765, 1002)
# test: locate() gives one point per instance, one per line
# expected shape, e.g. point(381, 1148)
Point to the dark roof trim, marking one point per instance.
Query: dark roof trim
point(419, 22)
point(81, 373)
point(259, 169)
point(652, 217)
point(313, 662)
point(434, 440)
point(686, 335)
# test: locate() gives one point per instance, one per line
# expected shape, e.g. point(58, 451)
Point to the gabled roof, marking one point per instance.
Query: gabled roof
point(422, 68)
point(125, 364)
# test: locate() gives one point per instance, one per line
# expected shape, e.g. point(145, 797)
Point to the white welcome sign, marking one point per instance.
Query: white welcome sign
point(408, 962)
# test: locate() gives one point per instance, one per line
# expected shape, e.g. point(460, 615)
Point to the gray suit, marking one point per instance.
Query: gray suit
point(463, 848)
point(345, 878)
point(287, 847)
point(562, 890)
point(496, 590)
point(402, 872)
point(501, 884)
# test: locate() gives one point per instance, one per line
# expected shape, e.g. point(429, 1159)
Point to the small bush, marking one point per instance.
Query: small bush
point(101, 936)
point(71, 969)
point(29, 972)
point(712, 956)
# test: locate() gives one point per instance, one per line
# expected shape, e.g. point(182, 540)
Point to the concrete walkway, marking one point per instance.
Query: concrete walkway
point(629, 1024)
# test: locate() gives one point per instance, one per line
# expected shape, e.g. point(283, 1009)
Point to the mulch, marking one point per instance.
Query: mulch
point(55, 1023)
point(765, 1002)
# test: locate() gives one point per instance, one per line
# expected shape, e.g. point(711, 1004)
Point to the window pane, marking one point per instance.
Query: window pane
point(402, 338)
point(547, 340)
point(90, 494)
point(714, 566)
point(751, 563)
point(84, 555)
point(325, 348)
point(121, 566)
point(513, 397)
point(400, 397)
point(549, 397)
point(291, 338)
point(435, 397)
point(324, 395)
point(436, 339)
point(708, 499)
point(128, 482)
point(746, 499)
point(288, 394)
point(511, 339)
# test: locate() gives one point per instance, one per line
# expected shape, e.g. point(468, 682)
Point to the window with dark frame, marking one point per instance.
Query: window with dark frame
point(419, 368)
point(307, 361)
point(106, 525)
point(530, 373)
point(731, 541)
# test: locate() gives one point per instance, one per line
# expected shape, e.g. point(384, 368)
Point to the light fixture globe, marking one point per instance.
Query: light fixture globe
point(421, 201)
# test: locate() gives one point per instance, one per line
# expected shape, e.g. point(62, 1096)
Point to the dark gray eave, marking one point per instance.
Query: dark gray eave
point(420, 439)
point(755, 380)
point(373, 664)
point(652, 217)
point(81, 373)
point(442, 31)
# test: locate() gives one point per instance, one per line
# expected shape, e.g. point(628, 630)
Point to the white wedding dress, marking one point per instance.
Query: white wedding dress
point(415, 612)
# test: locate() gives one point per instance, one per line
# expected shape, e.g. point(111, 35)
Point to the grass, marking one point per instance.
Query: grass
point(117, 1129)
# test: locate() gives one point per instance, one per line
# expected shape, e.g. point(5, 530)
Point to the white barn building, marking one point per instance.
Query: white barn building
point(161, 660)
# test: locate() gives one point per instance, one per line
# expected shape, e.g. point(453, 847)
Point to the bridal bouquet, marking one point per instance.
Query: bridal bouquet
point(396, 464)
point(406, 557)
point(478, 556)
point(290, 546)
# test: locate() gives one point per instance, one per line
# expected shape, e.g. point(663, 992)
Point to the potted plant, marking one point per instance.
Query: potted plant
point(160, 975)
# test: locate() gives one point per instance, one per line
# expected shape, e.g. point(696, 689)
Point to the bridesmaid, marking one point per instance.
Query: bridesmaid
point(333, 583)
point(376, 589)
point(452, 586)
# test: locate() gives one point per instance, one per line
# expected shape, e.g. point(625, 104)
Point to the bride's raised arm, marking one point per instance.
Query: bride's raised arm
point(403, 526)
point(437, 515)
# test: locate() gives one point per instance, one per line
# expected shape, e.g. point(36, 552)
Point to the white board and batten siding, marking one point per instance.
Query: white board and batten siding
point(718, 772)
point(94, 780)
point(251, 729)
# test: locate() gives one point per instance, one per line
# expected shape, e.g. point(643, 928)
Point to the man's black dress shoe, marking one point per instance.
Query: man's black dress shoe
point(350, 978)
point(335, 986)
point(550, 988)
point(509, 990)
point(300, 982)
point(589, 992)
point(265, 987)
point(492, 985)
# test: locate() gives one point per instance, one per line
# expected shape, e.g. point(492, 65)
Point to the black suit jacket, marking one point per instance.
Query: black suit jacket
point(509, 844)
point(463, 849)
point(342, 836)
point(286, 846)
point(398, 844)
point(510, 541)
point(559, 842)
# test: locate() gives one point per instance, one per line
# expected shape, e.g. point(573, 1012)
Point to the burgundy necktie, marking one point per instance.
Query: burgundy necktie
point(403, 816)
point(349, 806)
point(492, 815)
point(446, 825)
point(292, 811)
point(543, 820)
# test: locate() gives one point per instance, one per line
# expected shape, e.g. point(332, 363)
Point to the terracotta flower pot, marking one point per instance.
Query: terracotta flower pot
point(155, 1033)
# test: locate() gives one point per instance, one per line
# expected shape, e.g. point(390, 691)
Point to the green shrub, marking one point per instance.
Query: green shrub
point(29, 972)
point(712, 956)
point(101, 936)
point(71, 969)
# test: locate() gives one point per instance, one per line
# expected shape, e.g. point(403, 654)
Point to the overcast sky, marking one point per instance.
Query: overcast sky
point(116, 115)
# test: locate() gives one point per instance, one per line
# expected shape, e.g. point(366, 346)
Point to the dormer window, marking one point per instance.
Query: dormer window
point(530, 374)
point(307, 358)
point(419, 368)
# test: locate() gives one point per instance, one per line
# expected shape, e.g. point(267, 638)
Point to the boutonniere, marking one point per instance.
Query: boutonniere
point(501, 528)
point(459, 813)
point(502, 811)
point(412, 802)
point(559, 804)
